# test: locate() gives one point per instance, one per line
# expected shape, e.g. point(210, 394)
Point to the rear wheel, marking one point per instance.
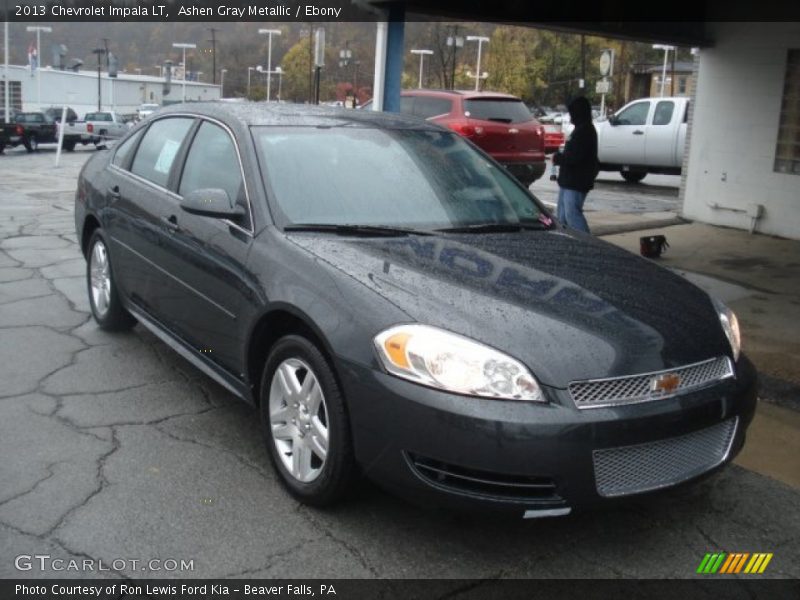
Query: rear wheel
point(69, 146)
point(104, 299)
point(305, 423)
point(31, 144)
point(633, 176)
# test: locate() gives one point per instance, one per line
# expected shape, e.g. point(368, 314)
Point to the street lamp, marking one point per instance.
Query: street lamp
point(222, 82)
point(38, 29)
point(421, 54)
point(478, 75)
point(666, 50)
point(184, 47)
point(269, 33)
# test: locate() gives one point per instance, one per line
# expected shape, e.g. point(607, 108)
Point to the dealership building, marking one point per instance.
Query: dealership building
point(31, 89)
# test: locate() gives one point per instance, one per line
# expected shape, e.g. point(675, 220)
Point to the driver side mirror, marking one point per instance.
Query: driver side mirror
point(211, 202)
point(613, 120)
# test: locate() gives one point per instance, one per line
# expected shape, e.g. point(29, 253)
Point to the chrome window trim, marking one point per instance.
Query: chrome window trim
point(229, 131)
point(603, 404)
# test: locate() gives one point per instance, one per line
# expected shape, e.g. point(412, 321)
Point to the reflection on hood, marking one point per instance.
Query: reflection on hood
point(580, 111)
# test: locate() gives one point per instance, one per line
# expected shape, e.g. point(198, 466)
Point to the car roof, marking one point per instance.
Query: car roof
point(466, 94)
point(280, 114)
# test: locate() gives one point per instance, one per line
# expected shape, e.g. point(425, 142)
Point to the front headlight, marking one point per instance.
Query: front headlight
point(730, 325)
point(451, 362)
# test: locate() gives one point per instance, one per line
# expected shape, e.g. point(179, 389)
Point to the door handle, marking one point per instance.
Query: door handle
point(113, 192)
point(638, 132)
point(171, 223)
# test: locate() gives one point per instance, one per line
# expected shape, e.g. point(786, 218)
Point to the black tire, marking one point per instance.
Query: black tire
point(69, 146)
point(31, 144)
point(337, 472)
point(633, 176)
point(114, 317)
point(2, 147)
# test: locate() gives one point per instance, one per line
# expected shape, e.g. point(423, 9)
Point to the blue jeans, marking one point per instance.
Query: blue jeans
point(570, 209)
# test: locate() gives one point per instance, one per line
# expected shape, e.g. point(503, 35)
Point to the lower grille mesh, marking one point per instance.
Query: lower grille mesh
point(633, 469)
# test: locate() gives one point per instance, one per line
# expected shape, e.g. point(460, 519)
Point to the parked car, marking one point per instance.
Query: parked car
point(30, 129)
point(391, 299)
point(9, 131)
point(105, 125)
point(553, 134)
point(497, 123)
point(72, 136)
point(645, 136)
point(145, 110)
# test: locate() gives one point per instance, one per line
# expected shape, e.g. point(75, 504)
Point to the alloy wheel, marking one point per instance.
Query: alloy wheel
point(100, 278)
point(298, 420)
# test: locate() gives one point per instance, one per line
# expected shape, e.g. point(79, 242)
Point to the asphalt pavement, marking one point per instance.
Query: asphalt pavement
point(115, 448)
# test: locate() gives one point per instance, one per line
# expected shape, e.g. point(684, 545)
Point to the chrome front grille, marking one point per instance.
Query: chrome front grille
point(653, 465)
point(631, 389)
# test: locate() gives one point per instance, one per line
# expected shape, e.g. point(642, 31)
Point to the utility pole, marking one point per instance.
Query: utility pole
point(105, 46)
point(583, 62)
point(456, 41)
point(213, 41)
point(99, 52)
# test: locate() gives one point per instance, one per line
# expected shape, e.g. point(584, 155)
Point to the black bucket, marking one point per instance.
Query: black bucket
point(652, 246)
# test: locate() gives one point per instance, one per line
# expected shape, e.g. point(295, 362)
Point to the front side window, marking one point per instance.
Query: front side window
point(635, 114)
point(158, 149)
point(388, 178)
point(212, 162)
point(663, 113)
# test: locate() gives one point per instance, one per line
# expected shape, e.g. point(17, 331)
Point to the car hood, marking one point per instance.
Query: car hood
point(569, 306)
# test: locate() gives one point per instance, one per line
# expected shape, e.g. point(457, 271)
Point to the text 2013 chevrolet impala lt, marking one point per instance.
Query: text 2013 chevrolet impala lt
point(396, 304)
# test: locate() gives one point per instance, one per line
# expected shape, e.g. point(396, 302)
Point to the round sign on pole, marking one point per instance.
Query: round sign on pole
point(606, 62)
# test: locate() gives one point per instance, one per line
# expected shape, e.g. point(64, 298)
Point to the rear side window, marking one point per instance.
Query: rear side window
point(635, 114)
point(124, 150)
point(212, 162)
point(406, 104)
point(663, 114)
point(497, 109)
point(427, 107)
point(158, 149)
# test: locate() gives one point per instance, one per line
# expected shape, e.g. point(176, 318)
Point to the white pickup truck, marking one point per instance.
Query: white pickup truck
point(645, 136)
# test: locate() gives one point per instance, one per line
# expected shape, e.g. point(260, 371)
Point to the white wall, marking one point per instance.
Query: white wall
point(735, 129)
point(123, 94)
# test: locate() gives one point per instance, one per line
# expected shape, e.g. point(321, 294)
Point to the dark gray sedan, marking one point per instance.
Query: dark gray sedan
point(397, 305)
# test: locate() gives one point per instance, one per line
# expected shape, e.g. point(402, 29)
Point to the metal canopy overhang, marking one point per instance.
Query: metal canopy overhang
point(598, 20)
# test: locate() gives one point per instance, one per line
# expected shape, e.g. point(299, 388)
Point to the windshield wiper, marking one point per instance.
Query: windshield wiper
point(350, 229)
point(495, 228)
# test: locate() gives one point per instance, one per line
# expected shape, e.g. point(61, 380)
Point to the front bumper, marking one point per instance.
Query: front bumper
point(447, 450)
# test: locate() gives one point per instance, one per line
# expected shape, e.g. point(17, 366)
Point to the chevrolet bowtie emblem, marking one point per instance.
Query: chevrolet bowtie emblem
point(665, 384)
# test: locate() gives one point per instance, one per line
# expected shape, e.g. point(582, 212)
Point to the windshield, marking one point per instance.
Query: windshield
point(503, 110)
point(390, 178)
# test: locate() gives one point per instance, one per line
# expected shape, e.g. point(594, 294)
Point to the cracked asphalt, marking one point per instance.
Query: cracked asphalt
point(114, 447)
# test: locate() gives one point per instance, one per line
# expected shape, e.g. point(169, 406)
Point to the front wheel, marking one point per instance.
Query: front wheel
point(104, 299)
point(633, 176)
point(305, 423)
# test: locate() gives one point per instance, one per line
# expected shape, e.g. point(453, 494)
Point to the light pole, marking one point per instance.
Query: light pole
point(38, 29)
point(478, 75)
point(666, 50)
point(222, 82)
point(456, 41)
point(421, 54)
point(279, 71)
point(100, 52)
point(184, 47)
point(269, 33)
point(250, 70)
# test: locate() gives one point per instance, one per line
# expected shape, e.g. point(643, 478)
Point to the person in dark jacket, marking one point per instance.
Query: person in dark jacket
point(578, 166)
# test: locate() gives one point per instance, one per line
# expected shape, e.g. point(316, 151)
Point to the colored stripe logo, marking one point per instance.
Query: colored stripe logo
point(734, 562)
